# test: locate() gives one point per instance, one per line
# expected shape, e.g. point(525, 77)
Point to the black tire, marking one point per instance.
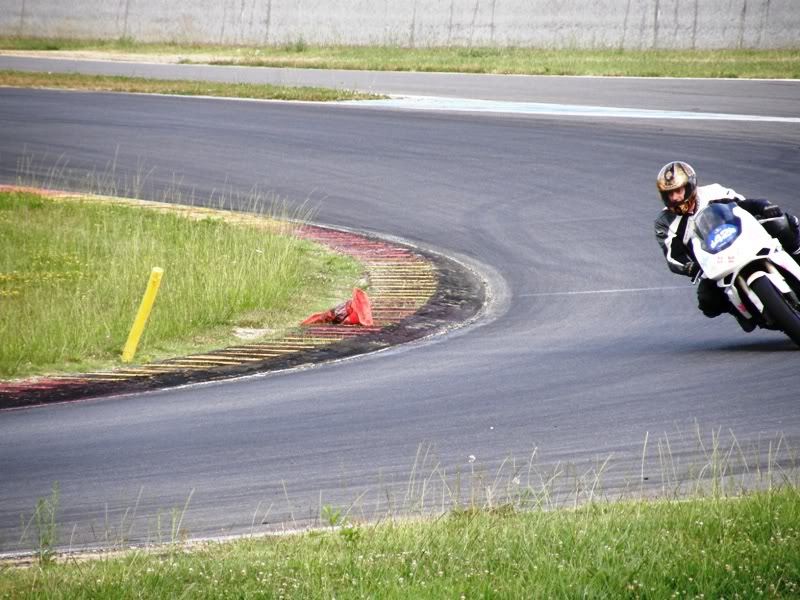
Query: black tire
point(785, 316)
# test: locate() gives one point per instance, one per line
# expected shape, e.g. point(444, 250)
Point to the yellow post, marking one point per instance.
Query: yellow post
point(143, 314)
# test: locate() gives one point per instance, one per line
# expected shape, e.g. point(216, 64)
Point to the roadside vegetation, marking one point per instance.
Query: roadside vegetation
point(720, 522)
point(113, 83)
point(766, 64)
point(711, 547)
point(73, 271)
point(524, 61)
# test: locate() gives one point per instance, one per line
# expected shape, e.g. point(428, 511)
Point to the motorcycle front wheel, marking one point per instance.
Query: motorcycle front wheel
point(786, 316)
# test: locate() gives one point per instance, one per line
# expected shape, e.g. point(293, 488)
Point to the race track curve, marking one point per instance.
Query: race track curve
point(589, 350)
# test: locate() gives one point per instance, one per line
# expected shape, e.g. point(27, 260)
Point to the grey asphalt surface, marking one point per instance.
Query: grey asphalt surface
point(590, 349)
point(775, 98)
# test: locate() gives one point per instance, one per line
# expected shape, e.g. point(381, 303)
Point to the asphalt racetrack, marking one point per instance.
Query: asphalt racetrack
point(590, 356)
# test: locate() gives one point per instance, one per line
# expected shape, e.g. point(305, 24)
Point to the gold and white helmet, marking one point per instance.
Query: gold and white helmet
point(675, 175)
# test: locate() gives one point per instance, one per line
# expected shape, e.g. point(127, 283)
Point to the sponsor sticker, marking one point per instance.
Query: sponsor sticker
point(721, 237)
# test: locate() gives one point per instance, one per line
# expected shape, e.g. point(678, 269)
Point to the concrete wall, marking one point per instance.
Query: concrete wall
point(631, 24)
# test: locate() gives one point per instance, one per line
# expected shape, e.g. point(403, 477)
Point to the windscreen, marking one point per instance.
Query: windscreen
point(717, 227)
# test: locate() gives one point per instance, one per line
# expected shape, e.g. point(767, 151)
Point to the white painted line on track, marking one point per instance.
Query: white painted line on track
point(612, 291)
point(432, 103)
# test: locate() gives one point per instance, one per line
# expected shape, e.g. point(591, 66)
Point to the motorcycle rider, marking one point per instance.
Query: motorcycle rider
point(683, 198)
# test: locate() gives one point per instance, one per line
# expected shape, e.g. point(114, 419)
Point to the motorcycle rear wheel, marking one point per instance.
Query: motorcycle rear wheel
point(786, 316)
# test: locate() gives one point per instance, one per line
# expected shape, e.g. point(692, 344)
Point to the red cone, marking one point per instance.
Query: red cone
point(356, 311)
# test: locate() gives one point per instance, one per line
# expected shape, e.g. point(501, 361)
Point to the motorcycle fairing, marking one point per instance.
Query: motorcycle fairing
point(722, 253)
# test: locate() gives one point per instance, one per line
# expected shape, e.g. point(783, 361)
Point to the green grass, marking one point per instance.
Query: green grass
point(526, 61)
point(768, 64)
point(109, 83)
point(715, 547)
point(72, 275)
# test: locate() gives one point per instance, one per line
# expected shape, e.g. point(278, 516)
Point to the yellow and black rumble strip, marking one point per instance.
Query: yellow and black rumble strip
point(413, 293)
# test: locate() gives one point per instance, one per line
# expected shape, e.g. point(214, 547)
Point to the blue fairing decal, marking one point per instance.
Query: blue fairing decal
point(721, 237)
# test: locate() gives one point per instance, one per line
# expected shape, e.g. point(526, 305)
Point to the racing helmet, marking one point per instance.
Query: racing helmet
point(675, 175)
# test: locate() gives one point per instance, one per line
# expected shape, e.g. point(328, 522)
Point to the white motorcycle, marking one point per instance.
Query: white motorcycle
point(761, 280)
